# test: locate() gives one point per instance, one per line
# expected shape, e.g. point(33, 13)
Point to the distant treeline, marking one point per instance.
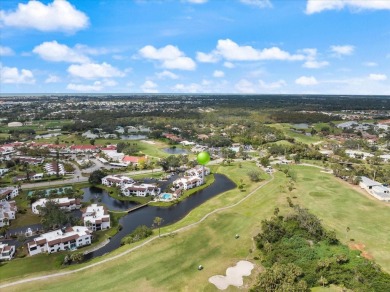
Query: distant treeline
point(299, 117)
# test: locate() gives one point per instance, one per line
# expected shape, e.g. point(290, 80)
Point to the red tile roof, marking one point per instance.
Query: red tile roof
point(83, 147)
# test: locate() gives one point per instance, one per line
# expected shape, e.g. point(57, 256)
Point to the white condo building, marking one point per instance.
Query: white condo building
point(8, 193)
point(6, 252)
point(96, 218)
point(7, 212)
point(116, 180)
point(375, 189)
point(54, 241)
point(63, 203)
point(140, 190)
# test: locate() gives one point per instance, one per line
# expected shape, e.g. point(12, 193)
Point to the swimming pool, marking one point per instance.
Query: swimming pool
point(166, 196)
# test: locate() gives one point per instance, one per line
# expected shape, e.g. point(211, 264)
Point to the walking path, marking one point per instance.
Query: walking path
point(184, 228)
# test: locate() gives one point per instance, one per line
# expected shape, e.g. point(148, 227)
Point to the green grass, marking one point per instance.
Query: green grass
point(297, 136)
point(170, 263)
point(331, 288)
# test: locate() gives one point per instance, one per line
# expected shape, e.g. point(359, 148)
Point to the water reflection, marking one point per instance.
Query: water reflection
point(145, 216)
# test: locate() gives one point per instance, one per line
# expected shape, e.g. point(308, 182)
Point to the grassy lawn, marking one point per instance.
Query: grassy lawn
point(170, 263)
point(297, 136)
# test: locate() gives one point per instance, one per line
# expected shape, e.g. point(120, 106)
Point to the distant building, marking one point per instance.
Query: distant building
point(8, 193)
point(83, 148)
point(54, 241)
point(51, 168)
point(15, 124)
point(31, 160)
point(3, 171)
point(140, 190)
point(116, 180)
point(375, 189)
point(133, 160)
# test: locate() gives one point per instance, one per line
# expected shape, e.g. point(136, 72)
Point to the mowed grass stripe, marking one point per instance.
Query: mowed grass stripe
point(169, 263)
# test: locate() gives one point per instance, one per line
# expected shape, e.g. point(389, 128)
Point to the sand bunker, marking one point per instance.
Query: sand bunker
point(148, 141)
point(234, 275)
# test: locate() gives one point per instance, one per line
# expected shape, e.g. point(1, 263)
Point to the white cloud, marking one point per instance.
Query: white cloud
point(306, 81)
point(207, 58)
point(6, 51)
point(377, 77)
point(257, 3)
point(167, 74)
point(149, 87)
point(53, 79)
point(311, 59)
point(245, 86)
point(370, 64)
point(59, 15)
point(190, 88)
point(233, 52)
point(272, 85)
point(96, 86)
point(316, 6)
point(181, 63)
point(13, 75)
point(169, 56)
point(342, 50)
point(91, 51)
point(229, 65)
point(196, 1)
point(55, 52)
point(218, 74)
point(314, 64)
point(93, 70)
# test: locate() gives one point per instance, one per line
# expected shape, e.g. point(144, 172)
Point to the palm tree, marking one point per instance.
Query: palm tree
point(157, 222)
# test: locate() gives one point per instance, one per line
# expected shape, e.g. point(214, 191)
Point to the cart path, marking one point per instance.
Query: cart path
point(184, 228)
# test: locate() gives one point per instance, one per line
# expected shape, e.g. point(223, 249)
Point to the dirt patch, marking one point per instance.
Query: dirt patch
point(361, 247)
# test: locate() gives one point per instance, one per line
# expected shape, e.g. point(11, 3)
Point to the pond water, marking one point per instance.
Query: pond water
point(101, 196)
point(301, 126)
point(146, 215)
point(133, 137)
point(175, 150)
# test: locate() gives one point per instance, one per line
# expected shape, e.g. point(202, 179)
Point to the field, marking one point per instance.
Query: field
point(38, 125)
point(170, 263)
point(297, 136)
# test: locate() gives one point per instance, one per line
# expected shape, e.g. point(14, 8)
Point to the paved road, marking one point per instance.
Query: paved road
point(136, 247)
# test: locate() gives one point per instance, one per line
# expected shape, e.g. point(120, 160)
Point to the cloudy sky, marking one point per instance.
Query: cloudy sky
point(195, 46)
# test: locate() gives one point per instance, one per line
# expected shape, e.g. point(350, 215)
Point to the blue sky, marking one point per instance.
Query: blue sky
point(195, 46)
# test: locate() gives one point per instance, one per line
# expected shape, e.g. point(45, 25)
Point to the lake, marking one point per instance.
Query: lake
point(175, 150)
point(172, 214)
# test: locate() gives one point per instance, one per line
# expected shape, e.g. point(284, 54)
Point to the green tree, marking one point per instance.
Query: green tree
point(254, 175)
point(282, 278)
point(157, 222)
point(96, 177)
point(264, 161)
point(54, 217)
